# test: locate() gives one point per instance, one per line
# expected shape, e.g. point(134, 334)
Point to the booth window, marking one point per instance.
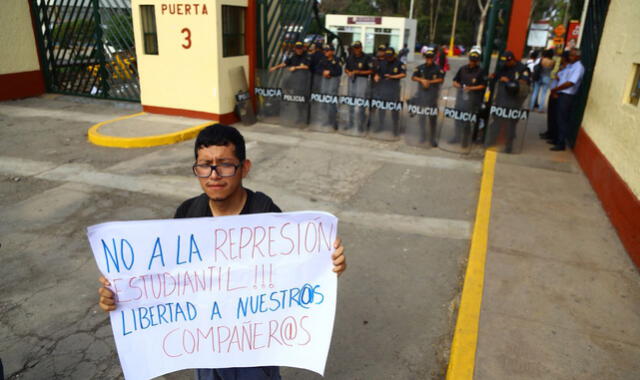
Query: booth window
point(149, 31)
point(233, 31)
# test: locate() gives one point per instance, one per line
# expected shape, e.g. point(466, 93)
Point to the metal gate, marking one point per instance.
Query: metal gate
point(87, 47)
point(592, 32)
point(280, 24)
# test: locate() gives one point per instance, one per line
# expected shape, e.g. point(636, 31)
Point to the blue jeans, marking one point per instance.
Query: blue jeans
point(245, 373)
point(539, 94)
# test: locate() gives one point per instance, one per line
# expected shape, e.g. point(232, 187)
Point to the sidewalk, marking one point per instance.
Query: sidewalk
point(561, 296)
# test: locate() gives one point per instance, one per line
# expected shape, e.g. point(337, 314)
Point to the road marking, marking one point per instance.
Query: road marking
point(465, 337)
point(372, 150)
point(436, 227)
point(17, 111)
point(181, 188)
point(367, 148)
point(97, 138)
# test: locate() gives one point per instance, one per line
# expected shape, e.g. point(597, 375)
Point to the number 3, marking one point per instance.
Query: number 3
point(187, 38)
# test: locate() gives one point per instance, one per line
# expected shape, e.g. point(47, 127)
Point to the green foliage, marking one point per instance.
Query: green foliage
point(119, 31)
point(361, 7)
point(67, 33)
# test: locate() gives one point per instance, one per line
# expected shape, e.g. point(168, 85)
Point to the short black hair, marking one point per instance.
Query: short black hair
point(221, 135)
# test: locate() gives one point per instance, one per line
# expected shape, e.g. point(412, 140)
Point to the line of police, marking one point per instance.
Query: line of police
point(373, 101)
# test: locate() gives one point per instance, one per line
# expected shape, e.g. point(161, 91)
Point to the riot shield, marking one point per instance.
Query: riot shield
point(460, 117)
point(268, 92)
point(386, 109)
point(421, 114)
point(508, 119)
point(353, 105)
point(323, 116)
point(294, 107)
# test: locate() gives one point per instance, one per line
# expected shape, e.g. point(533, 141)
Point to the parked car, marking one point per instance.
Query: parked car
point(456, 50)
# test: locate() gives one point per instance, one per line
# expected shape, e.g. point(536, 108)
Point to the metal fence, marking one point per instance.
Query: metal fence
point(592, 32)
point(87, 47)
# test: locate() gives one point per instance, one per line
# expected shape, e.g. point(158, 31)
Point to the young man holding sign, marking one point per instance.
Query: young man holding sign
point(220, 166)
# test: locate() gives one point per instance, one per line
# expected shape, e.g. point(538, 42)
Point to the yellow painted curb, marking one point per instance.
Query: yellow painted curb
point(465, 337)
point(141, 142)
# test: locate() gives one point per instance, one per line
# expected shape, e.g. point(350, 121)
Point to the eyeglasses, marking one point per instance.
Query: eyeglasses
point(222, 170)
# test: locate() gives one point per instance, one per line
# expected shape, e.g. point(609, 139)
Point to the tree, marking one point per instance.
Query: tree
point(119, 32)
point(483, 16)
point(69, 33)
point(361, 7)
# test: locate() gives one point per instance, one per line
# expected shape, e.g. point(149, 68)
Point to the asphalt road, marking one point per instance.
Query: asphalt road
point(405, 218)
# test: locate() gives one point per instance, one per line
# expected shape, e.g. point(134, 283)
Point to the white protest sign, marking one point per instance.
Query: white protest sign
point(236, 291)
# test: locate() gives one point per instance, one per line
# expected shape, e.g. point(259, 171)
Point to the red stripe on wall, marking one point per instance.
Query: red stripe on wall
point(227, 118)
point(21, 85)
point(34, 26)
point(619, 202)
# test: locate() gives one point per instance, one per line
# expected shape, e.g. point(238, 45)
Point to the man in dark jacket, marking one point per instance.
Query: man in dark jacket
point(220, 165)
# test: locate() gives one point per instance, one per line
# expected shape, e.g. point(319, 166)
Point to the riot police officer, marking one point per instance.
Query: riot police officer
point(331, 72)
point(387, 79)
point(513, 80)
point(299, 60)
point(296, 83)
point(358, 68)
point(470, 82)
point(316, 55)
point(429, 77)
point(380, 56)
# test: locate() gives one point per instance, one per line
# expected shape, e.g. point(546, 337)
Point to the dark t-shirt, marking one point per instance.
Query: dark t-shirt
point(197, 207)
point(257, 202)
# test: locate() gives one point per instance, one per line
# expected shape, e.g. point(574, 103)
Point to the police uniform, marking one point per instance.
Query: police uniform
point(316, 70)
point(467, 101)
point(296, 83)
point(358, 86)
point(363, 62)
point(314, 62)
point(297, 60)
point(427, 97)
point(510, 95)
point(330, 87)
point(388, 90)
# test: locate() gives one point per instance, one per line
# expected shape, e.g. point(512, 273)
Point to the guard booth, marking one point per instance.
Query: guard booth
point(193, 58)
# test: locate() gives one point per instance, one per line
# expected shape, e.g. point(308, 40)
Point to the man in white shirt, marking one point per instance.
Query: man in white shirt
point(564, 92)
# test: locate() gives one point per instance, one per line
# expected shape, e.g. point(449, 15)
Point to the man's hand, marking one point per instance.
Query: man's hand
point(107, 300)
point(425, 83)
point(326, 74)
point(504, 79)
point(339, 261)
point(376, 78)
point(457, 85)
point(292, 68)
